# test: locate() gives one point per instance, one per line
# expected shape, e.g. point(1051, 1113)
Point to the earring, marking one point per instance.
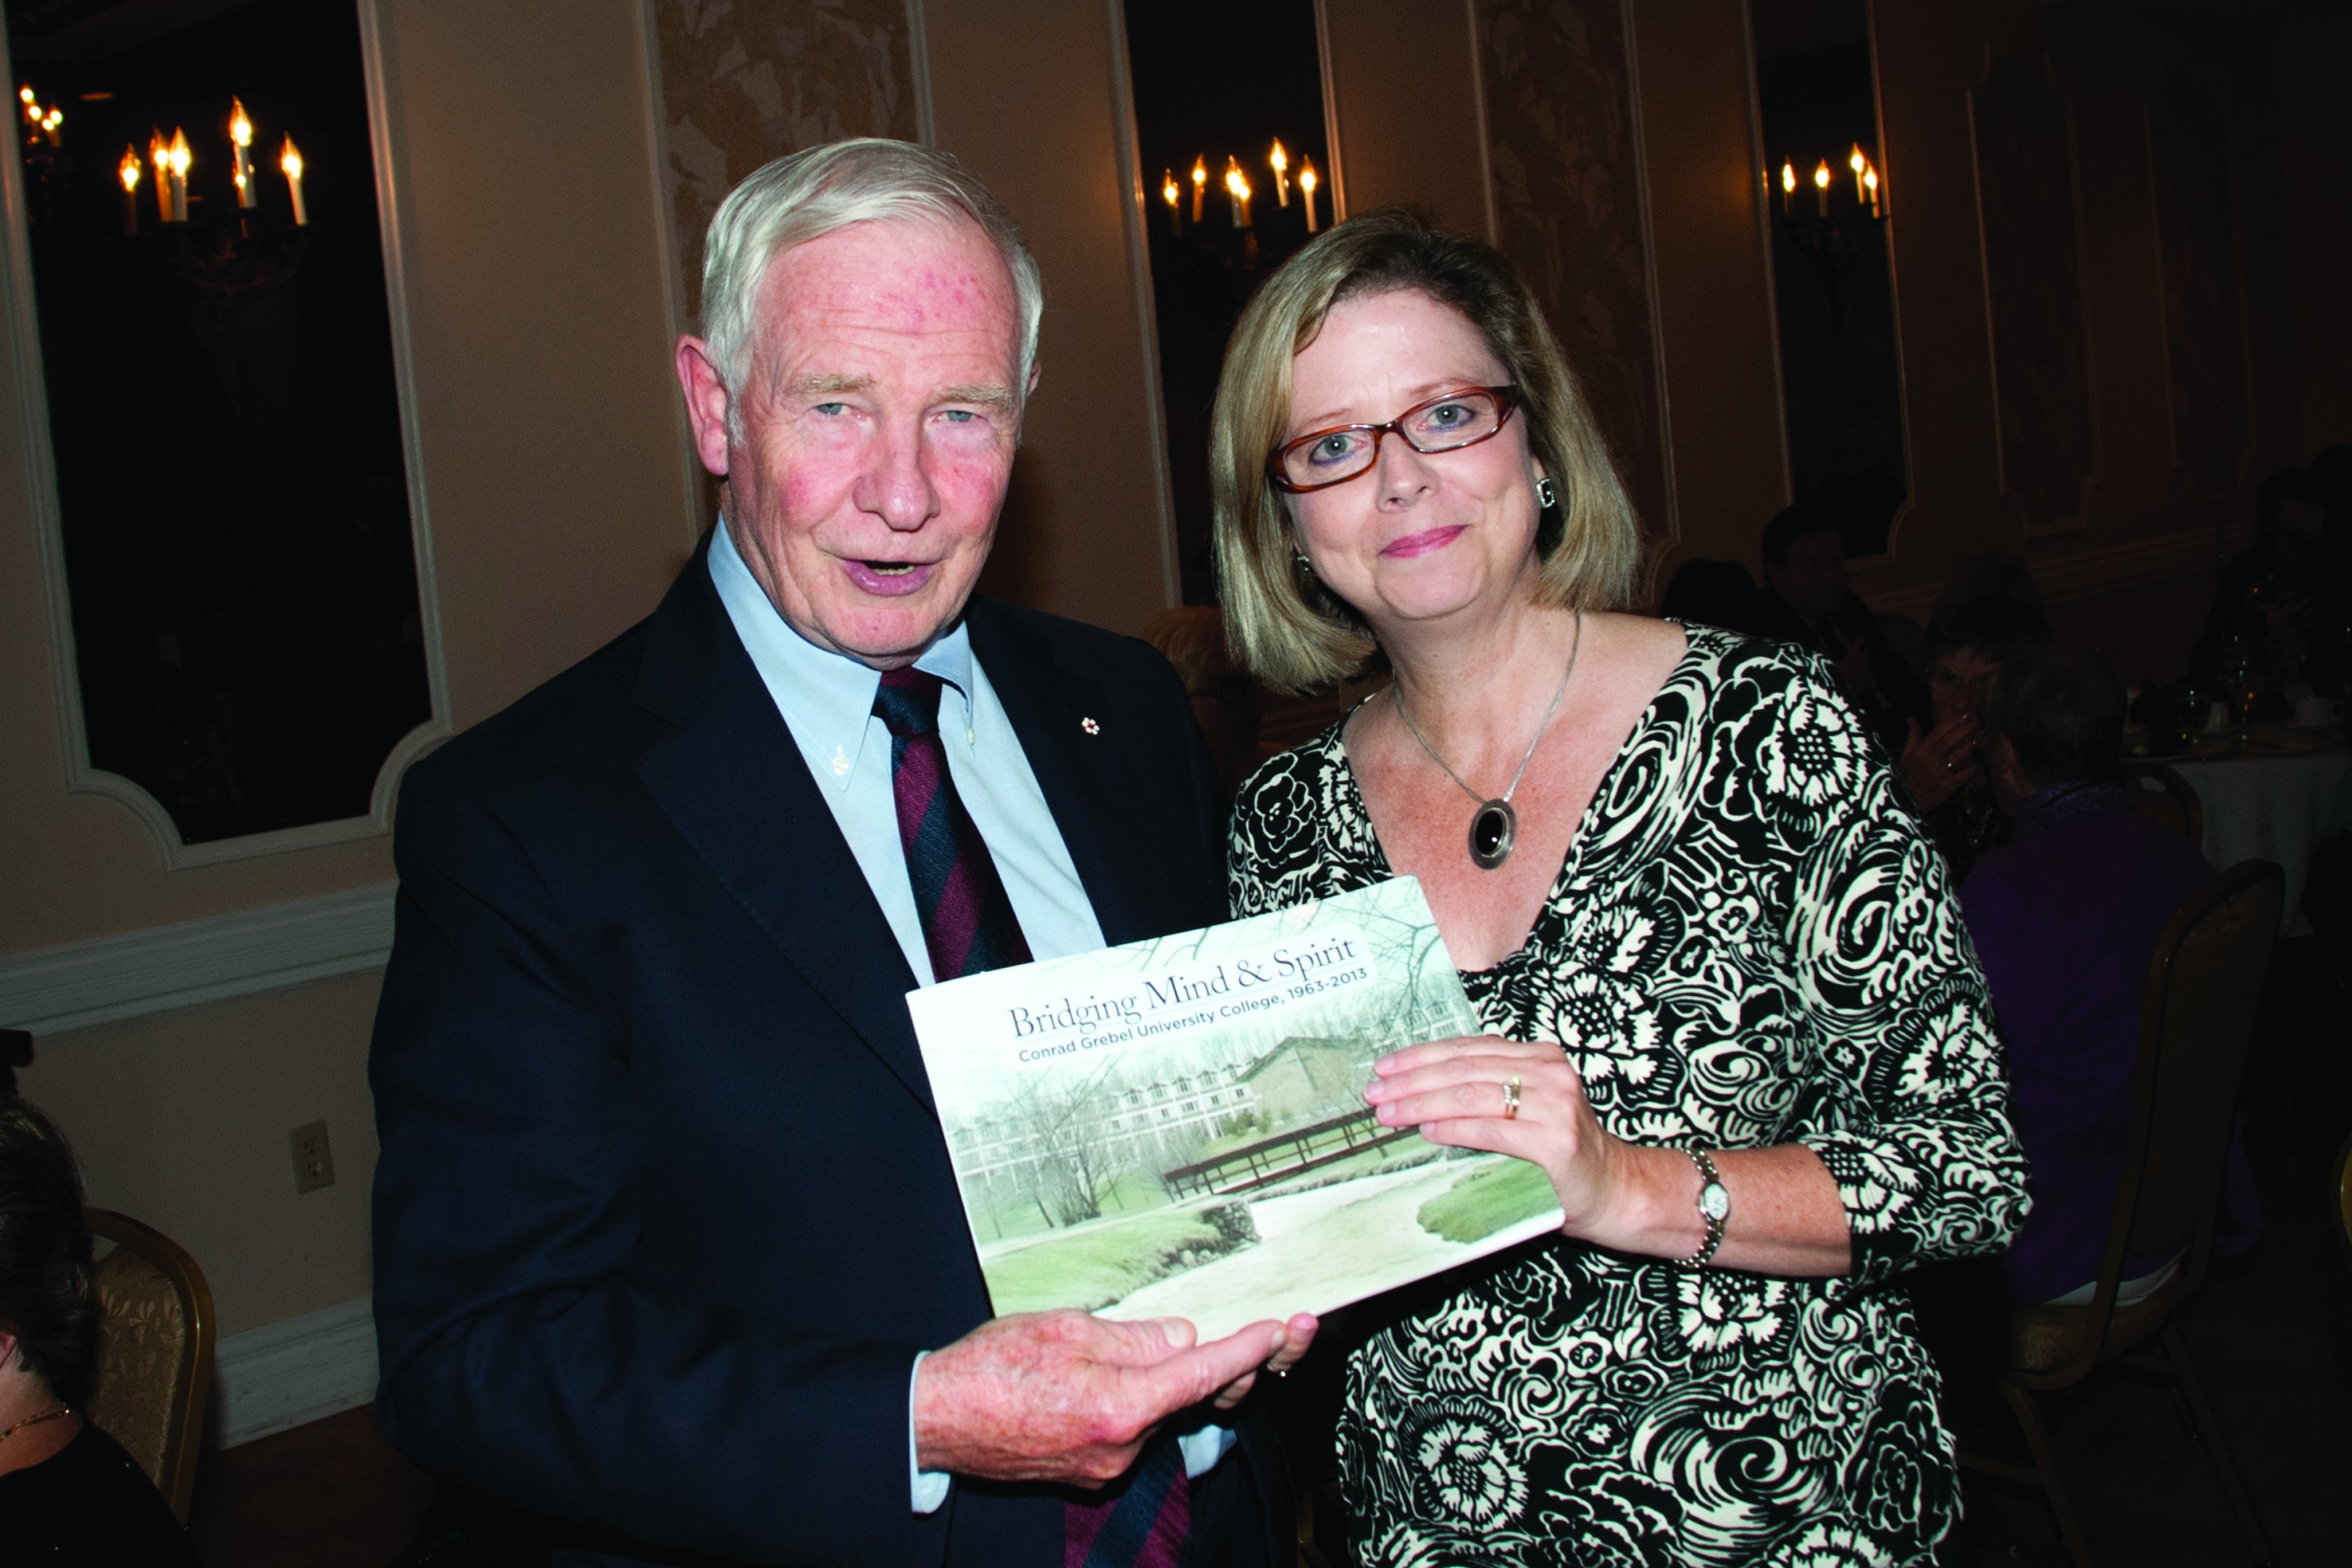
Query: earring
point(1304, 564)
point(1545, 496)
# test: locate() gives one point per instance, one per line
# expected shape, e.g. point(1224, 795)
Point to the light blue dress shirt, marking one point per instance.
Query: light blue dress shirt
point(827, 703)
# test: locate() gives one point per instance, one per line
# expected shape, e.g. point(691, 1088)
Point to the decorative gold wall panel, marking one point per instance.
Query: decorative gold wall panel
point(743, 81)
point(2197, 260)
point(2026, 211)
point(1559, 90)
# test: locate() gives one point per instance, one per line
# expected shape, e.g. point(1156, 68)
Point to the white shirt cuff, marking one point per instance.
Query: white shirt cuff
point(929, 1488)
point(1202, 1449)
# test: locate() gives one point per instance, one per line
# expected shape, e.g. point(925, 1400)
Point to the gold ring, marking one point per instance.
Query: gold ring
point(1511, 1099)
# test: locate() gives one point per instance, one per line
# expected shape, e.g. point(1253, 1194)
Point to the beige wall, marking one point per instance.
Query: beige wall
point(1721, 381)
point(181, 1121)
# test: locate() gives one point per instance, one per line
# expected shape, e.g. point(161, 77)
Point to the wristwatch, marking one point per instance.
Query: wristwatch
point(1714, 1208)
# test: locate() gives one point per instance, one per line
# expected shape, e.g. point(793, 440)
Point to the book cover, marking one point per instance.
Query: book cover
point(1177, 1128)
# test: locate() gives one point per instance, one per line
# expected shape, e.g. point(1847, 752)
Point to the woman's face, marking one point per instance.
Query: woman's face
point(1957, 680)
point(1418, 536)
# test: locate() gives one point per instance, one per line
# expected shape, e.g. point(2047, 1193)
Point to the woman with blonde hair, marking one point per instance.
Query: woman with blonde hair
point(1734, 1017)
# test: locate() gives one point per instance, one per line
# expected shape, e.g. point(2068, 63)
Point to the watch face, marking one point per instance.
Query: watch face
point(1714, 1202)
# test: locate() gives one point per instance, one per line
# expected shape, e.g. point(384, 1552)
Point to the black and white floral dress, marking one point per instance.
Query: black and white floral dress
point(1749, 943)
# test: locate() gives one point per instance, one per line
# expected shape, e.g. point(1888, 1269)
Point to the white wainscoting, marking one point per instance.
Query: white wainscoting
point(319, 1364)
point(2079, 574)
point(104, 981)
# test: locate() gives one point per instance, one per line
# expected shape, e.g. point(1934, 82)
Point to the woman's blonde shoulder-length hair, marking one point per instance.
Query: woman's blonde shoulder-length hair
point(1289, 631)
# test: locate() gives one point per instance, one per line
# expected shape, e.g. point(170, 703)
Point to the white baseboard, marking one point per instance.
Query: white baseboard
point(268, 1380)
point(50, 990)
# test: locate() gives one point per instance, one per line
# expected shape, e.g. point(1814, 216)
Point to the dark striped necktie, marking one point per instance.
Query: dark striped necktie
point(1145, 1526)
point(968, 922)
point(969, 926)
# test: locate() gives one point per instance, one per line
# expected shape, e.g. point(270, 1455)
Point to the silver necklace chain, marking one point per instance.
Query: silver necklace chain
point(1396, 696)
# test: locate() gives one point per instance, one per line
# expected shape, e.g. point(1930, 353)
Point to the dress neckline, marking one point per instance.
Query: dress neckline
point(1336, 749)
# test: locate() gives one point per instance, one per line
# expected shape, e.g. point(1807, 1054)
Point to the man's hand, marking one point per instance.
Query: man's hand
point(1062, 1396)
point(1938, 763)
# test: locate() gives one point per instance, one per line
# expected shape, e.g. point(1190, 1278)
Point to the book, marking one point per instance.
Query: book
point(1177, 1127)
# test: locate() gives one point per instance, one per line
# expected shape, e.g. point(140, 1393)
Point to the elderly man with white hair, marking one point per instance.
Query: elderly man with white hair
point(669, 1247)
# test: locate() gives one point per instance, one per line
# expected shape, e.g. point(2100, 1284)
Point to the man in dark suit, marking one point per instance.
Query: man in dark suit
point(669, 1248)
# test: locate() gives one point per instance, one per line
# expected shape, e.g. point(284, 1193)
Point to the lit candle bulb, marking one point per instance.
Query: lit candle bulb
point(1870, 183)
point(1238, 189)
point(1172, 193)
point(240, 136)
point(291, 161)
point(1280, 162)
point(1822, 187)
point(1307, 183)
point(177, 156)
point(50, 122)
point(32, 105)
point(1200, 186)
point(1787, 187)
point(129, 171)
point(159, 152)
point(1857, 163)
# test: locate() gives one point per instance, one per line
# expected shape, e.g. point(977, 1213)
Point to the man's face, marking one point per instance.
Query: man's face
point(1812, 580)
point(877, 424)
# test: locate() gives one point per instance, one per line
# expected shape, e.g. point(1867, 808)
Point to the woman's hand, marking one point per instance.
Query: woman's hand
point(1785, 1215)
point(1456, 1092)
point(1939, 762)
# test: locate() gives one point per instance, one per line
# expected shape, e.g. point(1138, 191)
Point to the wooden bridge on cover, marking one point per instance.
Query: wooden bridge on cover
point(1276, 1159)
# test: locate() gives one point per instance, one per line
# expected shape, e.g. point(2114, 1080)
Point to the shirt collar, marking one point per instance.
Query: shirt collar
point(826, 698)
point(2078, 797)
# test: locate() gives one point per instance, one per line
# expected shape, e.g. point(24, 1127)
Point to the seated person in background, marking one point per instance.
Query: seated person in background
point(2278, 620)
point(1967, 646)
point(2066, 917)
point(68, 1494)
point(1808, 602)
point(1711, 593)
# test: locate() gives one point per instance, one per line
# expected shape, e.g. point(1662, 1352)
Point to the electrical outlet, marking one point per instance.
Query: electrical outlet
point(314, 1161)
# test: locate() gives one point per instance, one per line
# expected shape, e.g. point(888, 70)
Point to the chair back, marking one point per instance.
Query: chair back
point(2204, 987)
point(2343, 1193)
point(154, 1368)
point(2166, 799)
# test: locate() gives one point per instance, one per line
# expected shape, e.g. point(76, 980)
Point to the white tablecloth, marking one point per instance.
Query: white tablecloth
point(2272, 808)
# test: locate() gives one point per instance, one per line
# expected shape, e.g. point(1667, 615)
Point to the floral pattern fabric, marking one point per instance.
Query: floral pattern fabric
point(1749, 943)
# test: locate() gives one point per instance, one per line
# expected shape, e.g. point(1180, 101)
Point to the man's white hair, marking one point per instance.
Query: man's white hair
point(811, 194)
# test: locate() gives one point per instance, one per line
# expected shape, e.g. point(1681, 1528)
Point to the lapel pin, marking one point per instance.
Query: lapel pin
point(840, 762)
point(1090, 727)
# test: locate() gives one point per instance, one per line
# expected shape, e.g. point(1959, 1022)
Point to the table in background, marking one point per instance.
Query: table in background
point(2265, 801)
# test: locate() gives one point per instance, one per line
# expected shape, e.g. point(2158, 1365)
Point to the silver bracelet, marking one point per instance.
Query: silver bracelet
point(1714, 1209)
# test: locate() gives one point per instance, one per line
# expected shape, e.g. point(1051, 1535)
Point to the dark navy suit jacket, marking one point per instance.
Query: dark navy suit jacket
point(663, 1213)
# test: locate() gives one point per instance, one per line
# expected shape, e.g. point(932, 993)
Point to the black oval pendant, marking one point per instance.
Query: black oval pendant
point(1492, 829)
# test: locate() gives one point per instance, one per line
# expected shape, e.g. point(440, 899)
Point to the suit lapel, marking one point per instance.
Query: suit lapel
point(731, 780)
point(1080, 771)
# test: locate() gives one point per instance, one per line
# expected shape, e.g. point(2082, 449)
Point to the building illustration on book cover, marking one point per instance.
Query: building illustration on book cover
point(1176, 1128)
